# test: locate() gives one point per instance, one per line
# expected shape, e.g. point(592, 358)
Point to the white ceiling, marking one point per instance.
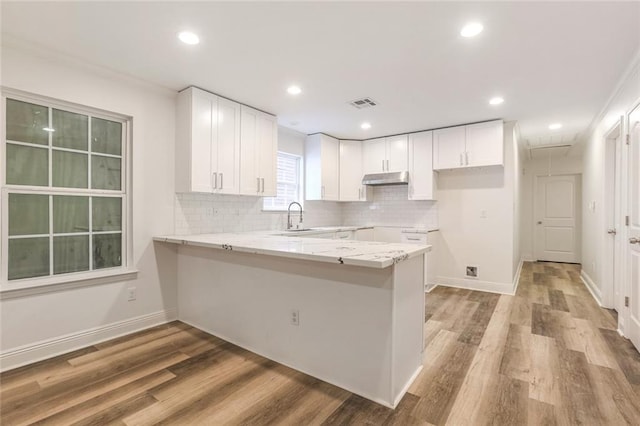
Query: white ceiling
point(552, 62)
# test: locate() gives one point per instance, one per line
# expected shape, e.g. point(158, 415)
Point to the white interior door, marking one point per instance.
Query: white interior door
point(633, 234)
point(557, 222)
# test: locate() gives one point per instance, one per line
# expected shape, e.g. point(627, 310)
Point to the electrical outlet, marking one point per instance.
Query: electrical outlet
point(131, 294)
point(295, 317)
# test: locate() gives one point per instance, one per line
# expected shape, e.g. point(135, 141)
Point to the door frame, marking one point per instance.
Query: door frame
point(578, 212)
point(624, 316)
point(613, 167)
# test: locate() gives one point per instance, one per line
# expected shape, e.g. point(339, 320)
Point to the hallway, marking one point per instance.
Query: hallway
point(548, 355)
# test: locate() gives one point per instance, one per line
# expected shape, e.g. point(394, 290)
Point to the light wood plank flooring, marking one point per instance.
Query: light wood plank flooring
point(548, 355)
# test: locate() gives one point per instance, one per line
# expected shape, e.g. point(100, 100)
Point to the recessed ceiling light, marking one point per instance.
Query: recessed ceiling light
point(365, 125)
point(472, 29)
point(48, 129)
point(294, 90)
point(555, 126)
point(496, 101)
point(188, 37)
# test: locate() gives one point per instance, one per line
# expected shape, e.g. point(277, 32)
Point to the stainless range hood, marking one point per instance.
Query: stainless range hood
point(393, 178)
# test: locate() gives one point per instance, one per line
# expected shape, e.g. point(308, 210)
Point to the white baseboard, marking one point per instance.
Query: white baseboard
point(430, 288)
point(49, 348)
point(516, 277)
point(406, 387)
point(527, 257)
point(478, 285)
point(592, 287)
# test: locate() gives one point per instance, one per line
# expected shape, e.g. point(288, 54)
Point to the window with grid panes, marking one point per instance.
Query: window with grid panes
point(64, 189)
point(289, 183)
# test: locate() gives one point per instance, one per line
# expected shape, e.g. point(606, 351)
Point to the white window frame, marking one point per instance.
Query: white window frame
point(53, 282)
point(300, 199)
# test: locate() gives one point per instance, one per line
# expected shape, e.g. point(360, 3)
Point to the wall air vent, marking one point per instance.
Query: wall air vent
point(363, 103)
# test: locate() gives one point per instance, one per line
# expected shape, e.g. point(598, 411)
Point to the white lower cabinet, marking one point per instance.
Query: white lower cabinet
point(421, 175)
point(258, 152)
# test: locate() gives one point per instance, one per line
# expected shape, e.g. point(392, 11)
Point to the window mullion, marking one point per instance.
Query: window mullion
point(51, 235)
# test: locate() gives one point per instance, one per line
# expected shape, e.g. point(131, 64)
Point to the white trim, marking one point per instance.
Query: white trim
point(406, 387)
point(591, 286)
point(64, 282)
point(486, 286)
point(49, 348)
point(429, 289)
point(516, 276)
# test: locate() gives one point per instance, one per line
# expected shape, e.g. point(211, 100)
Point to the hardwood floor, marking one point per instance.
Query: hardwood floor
point(548, 355)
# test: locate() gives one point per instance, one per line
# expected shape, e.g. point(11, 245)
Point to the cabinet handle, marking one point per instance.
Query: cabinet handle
point(466, 157)
point(461, 159)
point(221, 181)
point(387, 165)
point(258, 190)
point(383, 165)
point(359, 193)
point(322, 192)
point(262, 185)
point(214, 177)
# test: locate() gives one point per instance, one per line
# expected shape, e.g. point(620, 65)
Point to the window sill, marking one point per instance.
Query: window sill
point(29, 287)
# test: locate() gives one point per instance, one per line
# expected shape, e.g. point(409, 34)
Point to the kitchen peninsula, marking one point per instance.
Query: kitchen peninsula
point(348, 312)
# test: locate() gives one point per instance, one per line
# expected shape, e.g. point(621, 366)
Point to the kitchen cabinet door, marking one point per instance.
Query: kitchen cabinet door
point(449, 148)
point(250, 183)
point(374, 156)
point(322, 156)
point(484, 144)
point(421, 176)
point(330, 168)
point(227, 162)
point(351, 187)
point(196, 138)
point(268, 154)
point(396, 154)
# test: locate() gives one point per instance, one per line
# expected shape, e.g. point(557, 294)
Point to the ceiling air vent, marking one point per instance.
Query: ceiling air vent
point(363, 103)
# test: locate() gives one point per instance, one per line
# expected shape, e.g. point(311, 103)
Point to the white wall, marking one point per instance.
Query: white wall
point(36, 323)
point(540, 167)
point(206, 213)
point(466, 238)
point(622, 100)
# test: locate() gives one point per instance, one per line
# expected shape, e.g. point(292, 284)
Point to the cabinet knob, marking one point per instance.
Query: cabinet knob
point(634, 240)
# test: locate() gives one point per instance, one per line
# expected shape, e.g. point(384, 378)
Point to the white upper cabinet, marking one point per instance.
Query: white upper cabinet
point(322, 168)
point(473, 145)
point(258, 152)
point(421, 176)
point(448, 148)
point(351, 161)
point(385, 154)
point(485, 144)
point(397, 153)
point(374, 155)
point(207, 143)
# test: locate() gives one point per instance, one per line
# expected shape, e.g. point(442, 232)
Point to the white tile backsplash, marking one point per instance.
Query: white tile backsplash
point(390, 207)
point(210, 213)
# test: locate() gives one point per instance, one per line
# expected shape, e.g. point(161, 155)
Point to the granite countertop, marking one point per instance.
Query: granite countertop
point(320, 230)
point(346, 252)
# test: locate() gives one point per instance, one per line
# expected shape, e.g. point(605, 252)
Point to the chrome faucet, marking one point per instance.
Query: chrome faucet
point(289, 224)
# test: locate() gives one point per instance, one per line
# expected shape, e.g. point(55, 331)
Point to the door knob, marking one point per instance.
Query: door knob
point(612, 231)
point(539, 222)
point(634, 240)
